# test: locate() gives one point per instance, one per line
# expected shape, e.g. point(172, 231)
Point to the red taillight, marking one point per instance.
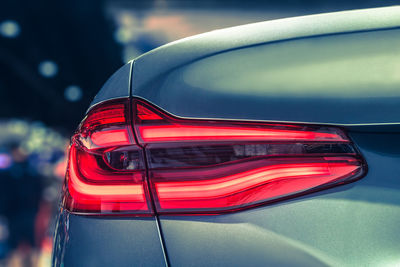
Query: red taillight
point(106, 171)
point(213, 166)
point(250, 185)
point(197, 166)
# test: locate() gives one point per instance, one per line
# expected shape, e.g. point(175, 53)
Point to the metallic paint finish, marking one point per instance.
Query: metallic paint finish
point(106, 241)
point(350, 225)
point(170, 56)
point(341, 79)
point(116, 86)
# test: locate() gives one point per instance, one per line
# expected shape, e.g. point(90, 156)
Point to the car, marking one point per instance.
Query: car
point(269, 144)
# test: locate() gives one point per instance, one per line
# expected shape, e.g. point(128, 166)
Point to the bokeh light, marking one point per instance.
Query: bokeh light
point(48, 68)
point(5, 161)
point(73, 93)
point(10, 29)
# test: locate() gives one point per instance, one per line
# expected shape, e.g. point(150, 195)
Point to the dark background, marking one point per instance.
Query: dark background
point(79, 36)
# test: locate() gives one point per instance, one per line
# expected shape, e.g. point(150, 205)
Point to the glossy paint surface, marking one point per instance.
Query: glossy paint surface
point(116, 86)
point(333, 79)
point(350, 225)
point(152, 65)
point(106, 241)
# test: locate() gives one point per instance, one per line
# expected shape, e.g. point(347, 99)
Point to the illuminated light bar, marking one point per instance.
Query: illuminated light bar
point(168, 133)
point(215, 166)
point(252, 186)
point(113, 137)
point(99, 180)
point(104, 115)
point(154, 127)
point(197, 166)
point(86, 195)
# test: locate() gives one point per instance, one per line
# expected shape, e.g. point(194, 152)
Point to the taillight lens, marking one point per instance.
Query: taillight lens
point(197, 166)
point(213, 166)
point(106, 171)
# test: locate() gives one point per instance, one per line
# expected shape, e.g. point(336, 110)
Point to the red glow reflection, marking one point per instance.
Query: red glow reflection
point(165, 133)
point(251, 186)
point(114, 137)
point(129, 196)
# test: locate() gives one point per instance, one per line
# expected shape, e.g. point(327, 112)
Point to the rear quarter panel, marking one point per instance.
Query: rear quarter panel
point(338, 79)
point(350, 225)
point(106, 241)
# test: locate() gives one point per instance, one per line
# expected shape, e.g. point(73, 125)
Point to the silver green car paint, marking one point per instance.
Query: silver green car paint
point(341, 69)
point(350, 225)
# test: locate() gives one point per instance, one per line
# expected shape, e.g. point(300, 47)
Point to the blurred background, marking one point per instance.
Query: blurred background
point(54, 57)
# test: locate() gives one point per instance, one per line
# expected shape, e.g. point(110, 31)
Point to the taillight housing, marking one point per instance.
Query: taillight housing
point(136, 158)
point(106, 171)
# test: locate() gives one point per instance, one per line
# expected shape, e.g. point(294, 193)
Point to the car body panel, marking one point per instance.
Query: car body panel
point(107, 241)
point(349, 225)
point(156, 63)
point(340, 79)
point(117, 86)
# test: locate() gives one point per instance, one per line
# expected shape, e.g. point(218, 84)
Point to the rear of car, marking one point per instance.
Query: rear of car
point(273, 143)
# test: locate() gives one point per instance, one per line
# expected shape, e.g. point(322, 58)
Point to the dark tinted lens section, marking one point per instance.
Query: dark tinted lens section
point(205, 155)
point(124, 158)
